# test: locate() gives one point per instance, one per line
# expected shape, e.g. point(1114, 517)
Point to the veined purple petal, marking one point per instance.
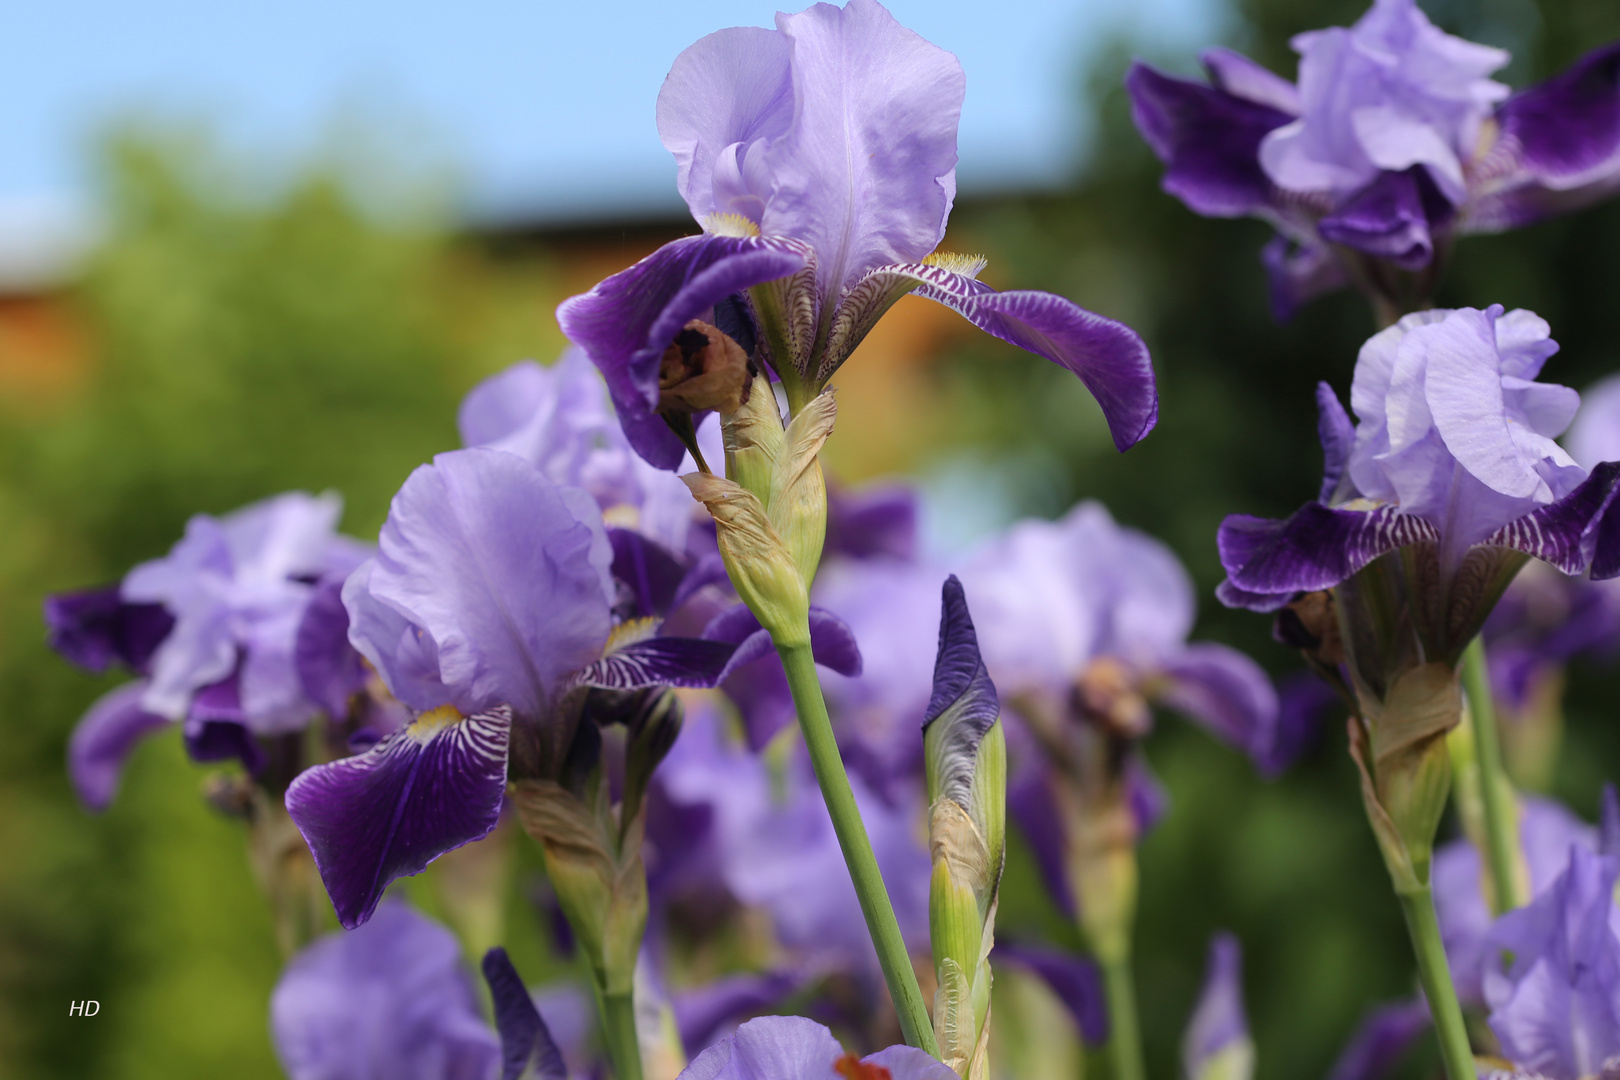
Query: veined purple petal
point(428, 788)
point(1219, 1020)
point(866, 171)
point(95, 627)
point(1208, 138)
point(103, 741)
point(1576, 530)
point(329, 668)
point(1074, 979)
point(390, 999)
point(1315, 549)
point(505, 574)
point(703, 1011)
point(627, 321)
point(1394, 218)
point(526, 1042)
point(660, 661)
point(1225, 692)
point(1380, 1040)
point(1108, 356)
point(1567, 130)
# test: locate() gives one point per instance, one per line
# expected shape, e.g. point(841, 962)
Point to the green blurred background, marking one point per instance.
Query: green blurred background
point(225, 344)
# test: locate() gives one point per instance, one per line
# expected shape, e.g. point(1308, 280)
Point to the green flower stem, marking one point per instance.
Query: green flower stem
point(1433, 972)
point(852, 839)
point(619, 1032)
point(1501, 830)
point(1124, 1033)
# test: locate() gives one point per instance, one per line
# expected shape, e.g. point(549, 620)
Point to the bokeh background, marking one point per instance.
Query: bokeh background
point(202, 304)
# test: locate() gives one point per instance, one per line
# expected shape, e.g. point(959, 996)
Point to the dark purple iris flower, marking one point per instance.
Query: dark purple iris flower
point(1453, 459)
point(491, 600)
point(1381, 1040)
point(795, 1048)
point(1393, 142)
point(212, 629)
point(820, 159)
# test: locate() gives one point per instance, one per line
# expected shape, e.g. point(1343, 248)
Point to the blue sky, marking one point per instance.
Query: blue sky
point(540, 110)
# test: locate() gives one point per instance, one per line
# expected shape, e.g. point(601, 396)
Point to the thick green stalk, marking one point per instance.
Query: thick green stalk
point(1433, 972)
point(1501, 828)
point(1124, 1033)
point(619, 1032)
point(852, 839)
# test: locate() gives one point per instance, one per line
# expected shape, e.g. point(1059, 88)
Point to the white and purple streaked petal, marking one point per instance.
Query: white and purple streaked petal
point(1208, 138)
point(104, 740)
point(1074, 979)
point(1216, 1043)
point(866, 171)
point(505, 572)
point(729, 91)
point(1225, 692)
point(1382, 1038)
point(1316, 548)
point(528, 1051)
point(95, 627)
point(1575, 532)
point(627, 321)
point(330, 671)
point(661, 661)
point(1299, 272)
point(424, 790)
point(1394, 218)
point(390, 999)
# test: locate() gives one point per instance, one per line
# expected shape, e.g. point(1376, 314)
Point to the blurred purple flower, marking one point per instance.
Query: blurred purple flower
point(1547, 831)
point(389, 1001)
point(1394, 141)
point(820, 158)
point(490, 596)
point(1554, 994)
point(1384, 1035)
point(794, 1048)
point(1216, 1043)
point(1454, 449)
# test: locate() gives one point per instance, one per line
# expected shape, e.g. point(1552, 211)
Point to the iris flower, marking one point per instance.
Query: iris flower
point(820, 159)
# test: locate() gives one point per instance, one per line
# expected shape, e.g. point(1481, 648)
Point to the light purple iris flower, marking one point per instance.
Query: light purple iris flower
point(1553, 980)
point(820, 158)
point(762, 830)
point(490, 597)
point(389, 1001)
point(795, 1048)
point(1454, 450)
point(212, 629)
point(1056, 600)
point(1547, 831)
point(1394, 140)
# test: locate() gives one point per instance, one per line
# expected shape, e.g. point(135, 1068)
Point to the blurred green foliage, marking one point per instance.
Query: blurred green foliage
point(243, 346)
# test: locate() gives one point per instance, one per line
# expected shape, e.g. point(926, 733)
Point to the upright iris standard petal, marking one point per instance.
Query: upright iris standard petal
point(866, 172)
point(1555, 997)
point(1217, 1044)
point(432, 786)
point(104, 740)
point(503, 573)
point(527, 1048)
point(390, 999)
point(627, 322)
